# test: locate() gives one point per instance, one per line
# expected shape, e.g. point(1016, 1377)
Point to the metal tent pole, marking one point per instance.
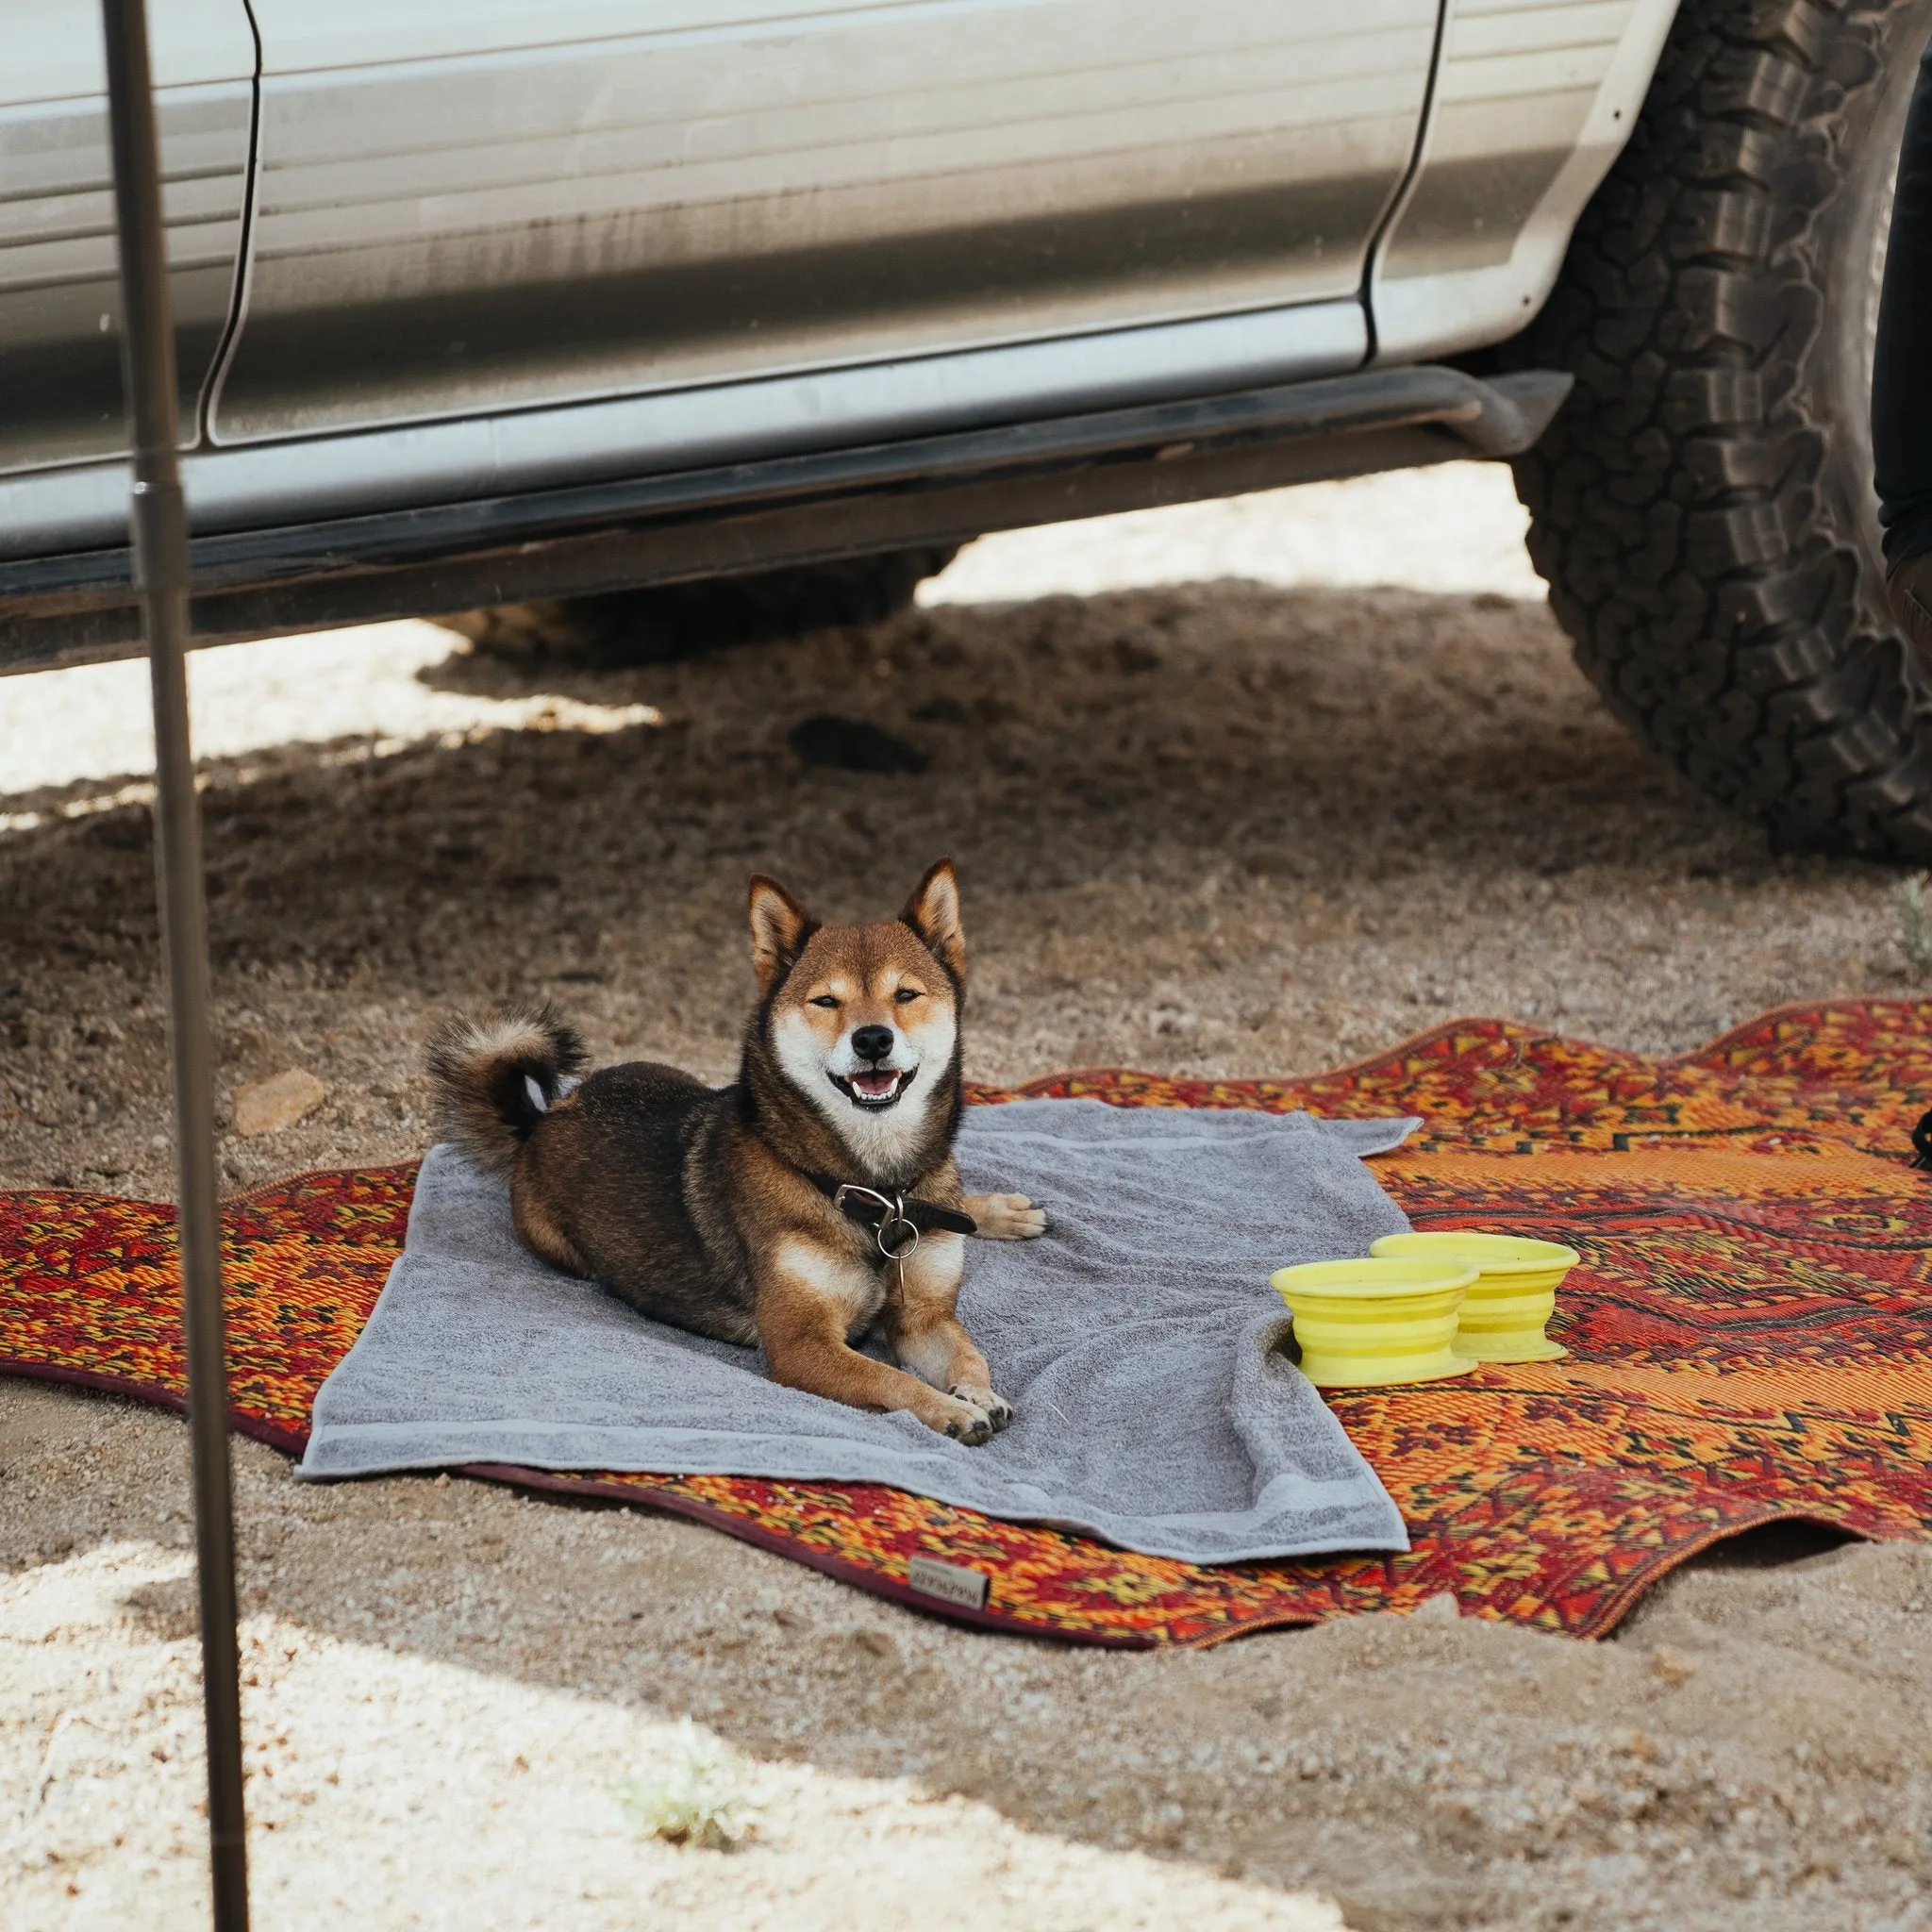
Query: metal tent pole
point(161, 567)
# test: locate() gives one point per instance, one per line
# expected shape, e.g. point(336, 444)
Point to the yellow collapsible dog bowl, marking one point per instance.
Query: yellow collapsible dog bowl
point(1514, 1294)
point(1364, 1325)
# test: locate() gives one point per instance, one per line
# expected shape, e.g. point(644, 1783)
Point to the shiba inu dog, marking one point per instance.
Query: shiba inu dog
point(811, 1202)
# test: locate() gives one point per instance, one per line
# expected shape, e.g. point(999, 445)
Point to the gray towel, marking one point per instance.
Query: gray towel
point(1139, 1342)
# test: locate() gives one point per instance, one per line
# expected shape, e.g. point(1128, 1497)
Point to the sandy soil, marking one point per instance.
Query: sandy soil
point(1215, 826)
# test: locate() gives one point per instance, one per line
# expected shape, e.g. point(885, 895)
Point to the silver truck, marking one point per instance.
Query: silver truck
point(722, 316)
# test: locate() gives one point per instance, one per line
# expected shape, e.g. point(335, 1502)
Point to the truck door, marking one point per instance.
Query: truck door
point(472, 204)
point(60, 275)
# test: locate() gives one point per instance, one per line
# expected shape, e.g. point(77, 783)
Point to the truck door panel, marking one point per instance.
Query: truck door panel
point(59, 280)
point(465, 207)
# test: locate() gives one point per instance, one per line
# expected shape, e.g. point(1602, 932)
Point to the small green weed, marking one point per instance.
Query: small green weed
point(1914, 922)
point(695, 1796)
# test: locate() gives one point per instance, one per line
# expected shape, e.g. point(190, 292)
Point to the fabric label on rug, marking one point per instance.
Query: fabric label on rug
point(949, 1581)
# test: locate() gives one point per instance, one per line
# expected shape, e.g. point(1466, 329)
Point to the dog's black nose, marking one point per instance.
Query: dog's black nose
point(871, 1043)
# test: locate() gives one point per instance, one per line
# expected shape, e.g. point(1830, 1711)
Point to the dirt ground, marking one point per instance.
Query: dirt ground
point(1213, 827)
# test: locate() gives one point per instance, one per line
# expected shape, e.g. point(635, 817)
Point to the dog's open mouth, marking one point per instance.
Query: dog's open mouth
point(878, 1089)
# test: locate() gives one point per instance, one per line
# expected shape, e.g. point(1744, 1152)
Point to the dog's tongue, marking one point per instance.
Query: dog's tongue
point(875, 1086)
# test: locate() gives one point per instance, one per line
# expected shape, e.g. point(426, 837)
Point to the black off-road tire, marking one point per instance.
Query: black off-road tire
point(1702, 509)
point(663, 622)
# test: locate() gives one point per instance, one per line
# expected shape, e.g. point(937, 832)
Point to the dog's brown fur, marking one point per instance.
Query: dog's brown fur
point(696, 1205)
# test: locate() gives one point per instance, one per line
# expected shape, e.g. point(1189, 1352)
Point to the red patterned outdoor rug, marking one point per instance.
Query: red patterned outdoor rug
point(1751, 1333)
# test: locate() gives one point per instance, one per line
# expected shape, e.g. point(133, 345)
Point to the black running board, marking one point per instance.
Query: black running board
point(744, 517)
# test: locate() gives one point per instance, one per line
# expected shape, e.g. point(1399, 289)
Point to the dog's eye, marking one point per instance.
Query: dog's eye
point(826, 1000)
point(906, 992)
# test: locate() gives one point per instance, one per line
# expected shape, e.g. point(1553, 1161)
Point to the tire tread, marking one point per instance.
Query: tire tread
point(1678, 508)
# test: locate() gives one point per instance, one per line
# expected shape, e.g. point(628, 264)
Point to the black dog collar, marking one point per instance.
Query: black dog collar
point(887, 1215)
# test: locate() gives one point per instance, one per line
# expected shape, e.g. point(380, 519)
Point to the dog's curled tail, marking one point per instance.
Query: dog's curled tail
point(495, 1078)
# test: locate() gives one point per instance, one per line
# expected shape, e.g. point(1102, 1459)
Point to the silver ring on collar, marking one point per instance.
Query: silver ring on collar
point(896, 1236)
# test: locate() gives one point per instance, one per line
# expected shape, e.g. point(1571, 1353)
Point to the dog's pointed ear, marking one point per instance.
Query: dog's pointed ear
point(933, 914)
point(779, 929)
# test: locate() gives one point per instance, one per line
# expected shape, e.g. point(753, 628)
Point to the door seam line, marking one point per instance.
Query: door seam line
point(216, 380)
point(1404, 188)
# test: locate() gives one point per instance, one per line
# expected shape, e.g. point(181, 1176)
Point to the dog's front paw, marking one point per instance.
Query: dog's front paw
point(995, 1408)
point(951, 1415)
point(1007, 1217)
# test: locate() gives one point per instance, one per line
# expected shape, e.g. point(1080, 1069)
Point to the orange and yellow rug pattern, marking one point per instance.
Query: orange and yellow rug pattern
point(1750, 1333)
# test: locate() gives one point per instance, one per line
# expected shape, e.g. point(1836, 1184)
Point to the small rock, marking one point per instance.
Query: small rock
point(1442, 1606)
point(1672, 1666)
point(852, 744)
point(266, 1107)
point(1902, 1848)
